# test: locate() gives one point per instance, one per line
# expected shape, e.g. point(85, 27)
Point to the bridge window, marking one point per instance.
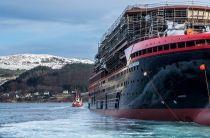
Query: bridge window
point(181, 45)
point(154, 49)
point(150, 50)
point(169, 46)
point(144, 51)
point(166, 47)
point(190, 43)
point(160, 48)
point(173, 46)
point(208, 41)
point(200, 42)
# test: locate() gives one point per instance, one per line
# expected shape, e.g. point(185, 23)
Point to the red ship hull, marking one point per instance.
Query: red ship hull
point(201, 116)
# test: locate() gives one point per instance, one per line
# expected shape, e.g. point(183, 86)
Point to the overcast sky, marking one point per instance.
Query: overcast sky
point(69, 28)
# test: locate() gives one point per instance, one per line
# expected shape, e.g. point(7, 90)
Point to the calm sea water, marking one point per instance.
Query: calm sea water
point(57, 120)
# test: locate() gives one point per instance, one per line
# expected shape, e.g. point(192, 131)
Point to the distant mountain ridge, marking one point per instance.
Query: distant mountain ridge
point(29, 61)
point(44, 79)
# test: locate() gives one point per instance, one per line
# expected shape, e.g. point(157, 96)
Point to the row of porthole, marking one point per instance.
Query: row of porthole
point(129, 70)
point(126, 83)
point(124, 72)
point(131, 94)
point(129, 82)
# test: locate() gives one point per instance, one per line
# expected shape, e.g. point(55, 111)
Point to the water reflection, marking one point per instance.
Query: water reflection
point(61, 120)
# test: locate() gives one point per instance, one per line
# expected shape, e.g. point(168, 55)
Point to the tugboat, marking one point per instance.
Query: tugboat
point(77, 100)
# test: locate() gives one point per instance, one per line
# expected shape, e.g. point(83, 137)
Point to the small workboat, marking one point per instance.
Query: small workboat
point(77, 100)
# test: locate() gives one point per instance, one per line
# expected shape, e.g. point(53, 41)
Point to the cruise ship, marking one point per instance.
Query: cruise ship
point(153, 63)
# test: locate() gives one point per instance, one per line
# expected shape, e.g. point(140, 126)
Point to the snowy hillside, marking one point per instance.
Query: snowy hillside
point(29, 61)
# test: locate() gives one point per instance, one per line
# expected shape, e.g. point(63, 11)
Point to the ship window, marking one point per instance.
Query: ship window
point(181, 45)
point(137, 67)
point(160, 48)
point(144, 51)
point(124, 71)
point(190, 43)
point(208, 41)
point(150, 50)
point(154, 49)
point(132, 55)
point(131, 69)
point(134, 68)
point(136, 54)
point(139, 53)
point(173, 46)
point(199, 42)
point(166, 47)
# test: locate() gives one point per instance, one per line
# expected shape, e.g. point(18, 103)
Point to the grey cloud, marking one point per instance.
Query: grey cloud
point(59, 27)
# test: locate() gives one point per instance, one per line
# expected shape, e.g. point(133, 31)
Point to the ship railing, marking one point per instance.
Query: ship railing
point(167, 3)
point(154, 5)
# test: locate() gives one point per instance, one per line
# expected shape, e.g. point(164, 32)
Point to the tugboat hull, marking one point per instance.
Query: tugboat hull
point(77, 104)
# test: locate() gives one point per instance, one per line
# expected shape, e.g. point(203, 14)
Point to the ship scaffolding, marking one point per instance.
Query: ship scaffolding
point(142, 22)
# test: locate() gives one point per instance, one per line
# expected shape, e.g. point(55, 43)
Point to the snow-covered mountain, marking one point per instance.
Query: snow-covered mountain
point(29, 61)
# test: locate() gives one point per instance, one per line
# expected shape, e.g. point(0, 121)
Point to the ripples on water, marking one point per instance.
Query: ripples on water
point(62, 120)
